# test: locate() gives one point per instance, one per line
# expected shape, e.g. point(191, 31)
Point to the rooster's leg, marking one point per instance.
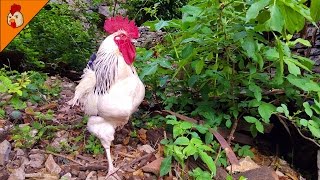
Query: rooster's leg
point(102, 129)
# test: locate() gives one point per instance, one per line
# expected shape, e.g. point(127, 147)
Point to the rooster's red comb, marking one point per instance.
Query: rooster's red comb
point(15, 8)
point(117, 23)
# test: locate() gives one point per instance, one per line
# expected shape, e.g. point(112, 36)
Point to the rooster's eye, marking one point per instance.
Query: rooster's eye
point(16, 16)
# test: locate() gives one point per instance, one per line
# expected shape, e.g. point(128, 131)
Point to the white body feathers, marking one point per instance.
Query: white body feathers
point(111, 89)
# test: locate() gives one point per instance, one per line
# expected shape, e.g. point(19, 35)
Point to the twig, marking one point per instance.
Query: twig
point(93, 167)
point(139, 159)
point(125, 154)
point(302, 135)
point(60, 155)
point(114, 7)
point(233, 130)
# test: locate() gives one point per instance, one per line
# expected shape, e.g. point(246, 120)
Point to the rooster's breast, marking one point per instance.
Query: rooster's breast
point(122, 99)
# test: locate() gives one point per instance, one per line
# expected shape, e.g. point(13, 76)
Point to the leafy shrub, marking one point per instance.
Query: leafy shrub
point(55, 37)
point(145, 10)
point(227, 62)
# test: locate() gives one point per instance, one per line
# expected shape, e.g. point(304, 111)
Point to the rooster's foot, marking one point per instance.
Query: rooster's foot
point(112, 174)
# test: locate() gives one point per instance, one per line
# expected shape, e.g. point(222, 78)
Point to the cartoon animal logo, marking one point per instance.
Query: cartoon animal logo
point(15, 17)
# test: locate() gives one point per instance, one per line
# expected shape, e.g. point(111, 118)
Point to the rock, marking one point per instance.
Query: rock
point(52, 166)
point(17, 174)
point(37, 160)
point(67, 176)
point(263, 173)
point(221, 174)
point(92, 176)
point(153, 167)
point(316, 59)
point(82, 175)
point(15, 115)
point(60, 140)
point(5, 149)
point(245, 165)
point(146, 148)
point(19, 152)
point(315, 52)
point(4, 174)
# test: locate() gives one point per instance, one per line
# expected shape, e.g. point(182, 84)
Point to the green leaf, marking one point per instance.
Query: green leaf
point(250, 119)
point(208, 161)
point(165, 166)
point(149, 70)
point(314, 130)
point(199, 66)
point(177, 131)
point(259, 126)
point(265, 110)
point(272, 54)
point(189, 150)
point(181, 141)
point(315, 10)
point(254, 9)
point(276, 21)
point(307, 109)
point(257, 91)
point(283, 109)
point(301, 9)
point(196, 141)
point(294, 22)
point(186, 125)
point(193, 10)
point(208, 137)
point(303, 83)
point(161, 24)
point(187, 51)
point(293, 69)
point(202, 129)
point(304, 122)
point(302, 41)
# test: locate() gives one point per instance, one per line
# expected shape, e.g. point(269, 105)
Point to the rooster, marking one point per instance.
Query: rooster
point(110, 89)
point(15, 17)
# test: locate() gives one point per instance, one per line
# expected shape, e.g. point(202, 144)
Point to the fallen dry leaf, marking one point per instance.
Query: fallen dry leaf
point(142, 135)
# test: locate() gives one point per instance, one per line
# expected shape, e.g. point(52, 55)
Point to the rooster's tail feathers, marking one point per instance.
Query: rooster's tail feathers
point(86, 85)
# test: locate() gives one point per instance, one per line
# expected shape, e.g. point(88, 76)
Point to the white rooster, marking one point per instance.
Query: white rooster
point(110, 89)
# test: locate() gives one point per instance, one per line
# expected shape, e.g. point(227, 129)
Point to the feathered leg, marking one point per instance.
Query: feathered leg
point(105, 132)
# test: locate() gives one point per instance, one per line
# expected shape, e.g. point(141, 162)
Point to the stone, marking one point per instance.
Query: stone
point(17, 174)
point(19, 152)
point(4, 174)
point(67, 176)
point(153, 167)
point(245, 164)
point(82, 175)
point(146, 148)
point(5, 149)
point(92, 176)
point(37, 160)
point(262, 173)
point(52, 166)
point(315, 52)
point(60, 140)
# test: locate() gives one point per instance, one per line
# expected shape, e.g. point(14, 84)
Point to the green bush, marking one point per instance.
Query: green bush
point(227, 62)
point(145, 10)
point(55, 37)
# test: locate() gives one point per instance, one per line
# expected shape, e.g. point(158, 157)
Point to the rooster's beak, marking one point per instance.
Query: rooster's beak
point(12, 20)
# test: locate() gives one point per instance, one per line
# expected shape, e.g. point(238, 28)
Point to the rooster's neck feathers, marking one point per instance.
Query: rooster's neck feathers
point(106, 68)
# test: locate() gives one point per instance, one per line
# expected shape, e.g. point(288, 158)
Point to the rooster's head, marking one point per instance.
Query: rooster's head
point(124, 32)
